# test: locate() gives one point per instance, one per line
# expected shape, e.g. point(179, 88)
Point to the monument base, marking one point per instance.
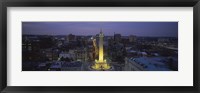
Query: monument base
point(101, 66)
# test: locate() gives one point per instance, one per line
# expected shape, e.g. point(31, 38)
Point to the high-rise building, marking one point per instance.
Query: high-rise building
point(117, 37)
point(132, 38)
point(71, 37)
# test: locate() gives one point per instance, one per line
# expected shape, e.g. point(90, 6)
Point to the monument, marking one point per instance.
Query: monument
point(101, 63)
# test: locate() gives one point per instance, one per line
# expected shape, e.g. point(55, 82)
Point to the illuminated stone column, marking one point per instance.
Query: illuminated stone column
point(101, 47)
point(101, 64)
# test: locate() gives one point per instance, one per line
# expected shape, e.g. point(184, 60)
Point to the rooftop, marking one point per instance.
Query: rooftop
point(152, 64)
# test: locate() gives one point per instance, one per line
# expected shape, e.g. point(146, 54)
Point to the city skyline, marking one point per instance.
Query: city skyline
point(151, 29)
point(100, 46)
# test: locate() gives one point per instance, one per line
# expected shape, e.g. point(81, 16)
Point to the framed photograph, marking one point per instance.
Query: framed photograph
point(99, 46)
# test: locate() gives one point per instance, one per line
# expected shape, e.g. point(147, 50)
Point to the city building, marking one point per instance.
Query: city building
point(71, 66)
point(70, 38)
point(146, 64)
point(55, 66)
point(70, 55)
point(81, 54)
point(132, 38)
point(117, 37)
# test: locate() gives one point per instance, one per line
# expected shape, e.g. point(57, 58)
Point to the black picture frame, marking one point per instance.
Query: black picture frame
point(98, 3)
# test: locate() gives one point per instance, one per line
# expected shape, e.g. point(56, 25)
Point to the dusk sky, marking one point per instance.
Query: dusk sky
point(166, 29)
